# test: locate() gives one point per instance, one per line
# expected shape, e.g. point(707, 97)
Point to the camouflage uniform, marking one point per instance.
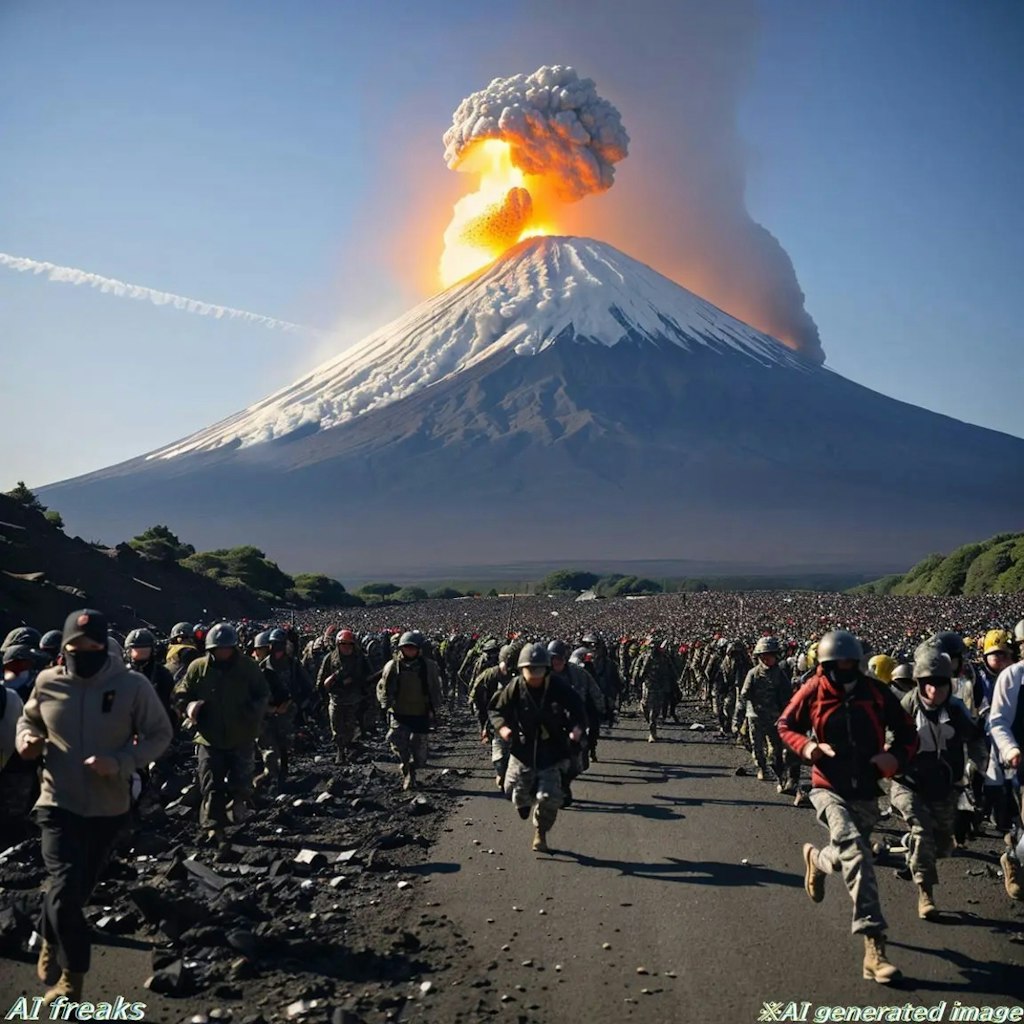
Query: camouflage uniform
point(727, 683)
point(484, 687)
point(654, 679)
point(766, 691)
point(345, 677)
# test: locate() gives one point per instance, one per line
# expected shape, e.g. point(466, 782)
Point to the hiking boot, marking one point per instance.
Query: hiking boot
point(540, 841)
point(801, 799)
point(69, 985)
point(1013, 876)
point(567, 795)
point(524, 812)
point(409, 782)
point(760, 775)
point(499, 782)
point(926, 909)
point(47, 966)
point(814, 877)
point(876, 964)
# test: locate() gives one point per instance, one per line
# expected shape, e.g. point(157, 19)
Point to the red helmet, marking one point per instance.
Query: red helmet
point(346, 636)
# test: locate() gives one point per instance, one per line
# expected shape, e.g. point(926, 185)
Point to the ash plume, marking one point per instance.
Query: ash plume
point(557, 127)
point(111, 286)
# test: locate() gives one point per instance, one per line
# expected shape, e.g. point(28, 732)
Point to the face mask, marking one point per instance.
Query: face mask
point(85, 664)
point(844, 677)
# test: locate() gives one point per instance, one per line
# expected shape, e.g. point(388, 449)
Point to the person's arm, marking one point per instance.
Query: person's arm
point(152, 733)
point(795, 722)
point(904, 734)
point(741, 700)
point(31, 733)
point(1005, 697)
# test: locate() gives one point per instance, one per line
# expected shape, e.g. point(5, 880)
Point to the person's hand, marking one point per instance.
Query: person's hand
point(102, 764)
point(505, 733)
point(1013, 761)
point(193, 709)
point(886, 764)
point(30, 747)
point(576, 735)
point(483, 735)
point(814, 752)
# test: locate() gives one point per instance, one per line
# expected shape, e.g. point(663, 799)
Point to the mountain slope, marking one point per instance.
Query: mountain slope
point(673, 432)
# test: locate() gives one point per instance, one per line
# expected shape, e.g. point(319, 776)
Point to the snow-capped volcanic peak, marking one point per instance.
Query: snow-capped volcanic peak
point(541, 291)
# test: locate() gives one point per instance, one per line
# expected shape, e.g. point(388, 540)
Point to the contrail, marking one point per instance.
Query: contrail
point(111, 286)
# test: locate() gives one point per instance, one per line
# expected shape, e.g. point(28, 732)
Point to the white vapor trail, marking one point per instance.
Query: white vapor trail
point(111, 286)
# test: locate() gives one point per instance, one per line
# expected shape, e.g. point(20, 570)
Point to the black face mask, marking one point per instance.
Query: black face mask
point(85, 664)
point(842, 676)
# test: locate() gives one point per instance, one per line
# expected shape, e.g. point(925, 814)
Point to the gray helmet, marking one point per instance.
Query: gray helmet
point(413, 638)
point(262, 640)
point(590, 639)
point(277, 636)
point(949, 643)
point(183, 630)
point(490, 644)
point(23, 636)
point(51, 642)
point(222, 635)
point(931, 663)
point(506, 653)
point(534, 656)
point(903, 673)
point(1018, 632)
point(558, 649)
point(768, 645)
point(582, 655)
point(839, 645)
point(139, 638)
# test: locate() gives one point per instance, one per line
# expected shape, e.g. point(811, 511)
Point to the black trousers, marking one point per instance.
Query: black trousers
point(75, 851)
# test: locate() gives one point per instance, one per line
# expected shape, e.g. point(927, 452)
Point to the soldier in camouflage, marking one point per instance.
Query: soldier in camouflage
point(654, 678)
point(765, 693)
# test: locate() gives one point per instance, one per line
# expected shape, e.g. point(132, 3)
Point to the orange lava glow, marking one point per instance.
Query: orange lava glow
point(492, 219)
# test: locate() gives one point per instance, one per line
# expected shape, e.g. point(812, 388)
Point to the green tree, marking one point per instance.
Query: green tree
point(379, 589)
point(54, 518)
point(567, 579)
point(247, 564)
point(23, 496)
point(446, 593)
point(407, 594)
point(323, 592)
point(160, 544)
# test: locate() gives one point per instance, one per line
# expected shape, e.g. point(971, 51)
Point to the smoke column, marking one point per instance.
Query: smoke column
point(111, 286)
point(678, 72)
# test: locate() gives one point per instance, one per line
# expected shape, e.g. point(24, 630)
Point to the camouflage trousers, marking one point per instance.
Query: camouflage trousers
point(724, 704)
point(223, 775)
point(345, 719)
point(765, 744)
point(932, 824)
point(275, 742)
point(654, 701)
point(499, 756)
point(540, 789)
point(849, 824)
point(409, 746)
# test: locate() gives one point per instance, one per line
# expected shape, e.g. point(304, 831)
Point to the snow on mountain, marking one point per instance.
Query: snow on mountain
point(542, 290)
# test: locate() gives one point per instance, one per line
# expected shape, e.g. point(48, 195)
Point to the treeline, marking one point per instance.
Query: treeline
point(994, 566)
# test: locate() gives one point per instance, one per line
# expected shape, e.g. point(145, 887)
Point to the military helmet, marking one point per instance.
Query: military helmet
point(558, 649)
point(581, 656)
point(51, 642)
point(23, 636)
point(589, 639)
point(262, 640)
point(183, 631)
point(839, 645)
point(931, 663)
point(346, 636)
point(767, 645)
point(534, 656)
point(948, 642)
point(412, 638)
point(490, 644)
point(139, 638)
point(277, 636)
point(1018, 632)
point(223, 634)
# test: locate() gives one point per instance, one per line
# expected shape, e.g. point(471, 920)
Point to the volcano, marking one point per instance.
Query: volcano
point(568, 406)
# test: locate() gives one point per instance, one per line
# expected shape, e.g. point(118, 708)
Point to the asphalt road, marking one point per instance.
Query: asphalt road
point(673, 892)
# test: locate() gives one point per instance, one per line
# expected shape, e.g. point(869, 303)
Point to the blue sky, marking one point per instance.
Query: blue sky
point(287, 160)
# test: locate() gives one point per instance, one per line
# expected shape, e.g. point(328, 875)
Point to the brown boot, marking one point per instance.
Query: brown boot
point(814, 877)
point(1013, 872)
point(69, 984)
point(876, 964)
point(926, 909)
point(540, 841)
point(47, 966)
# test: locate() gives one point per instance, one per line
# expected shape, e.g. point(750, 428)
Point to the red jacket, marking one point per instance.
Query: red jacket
point(854, 726)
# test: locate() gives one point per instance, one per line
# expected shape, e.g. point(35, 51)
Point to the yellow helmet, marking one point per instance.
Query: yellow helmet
point(997, 640)
point(881, 667)
point(812, 656)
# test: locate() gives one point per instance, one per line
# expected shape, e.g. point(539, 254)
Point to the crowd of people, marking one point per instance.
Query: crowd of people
point(914, 699)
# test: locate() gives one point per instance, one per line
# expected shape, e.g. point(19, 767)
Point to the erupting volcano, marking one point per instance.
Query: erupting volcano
point(534, 142)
